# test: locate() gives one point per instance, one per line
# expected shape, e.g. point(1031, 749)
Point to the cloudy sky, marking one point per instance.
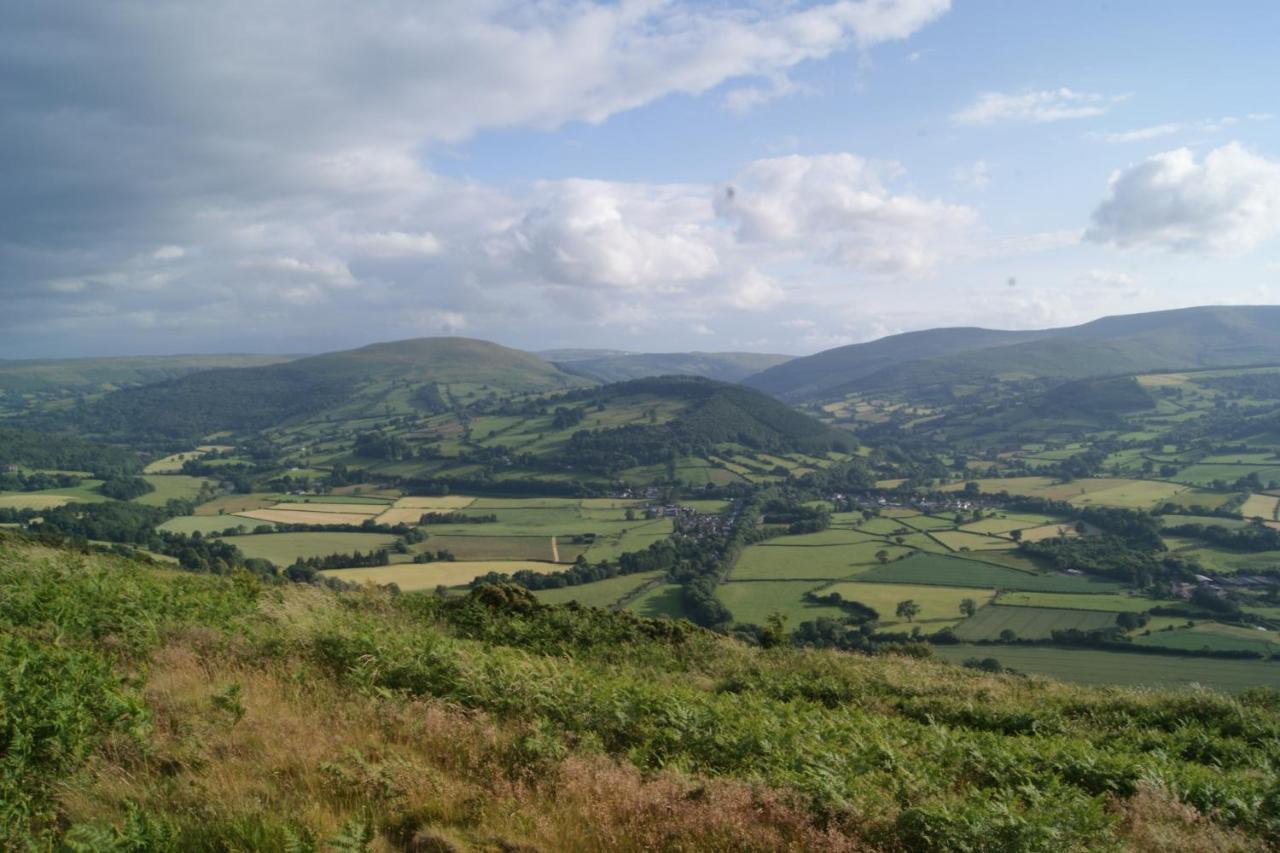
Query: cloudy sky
point(307, 175)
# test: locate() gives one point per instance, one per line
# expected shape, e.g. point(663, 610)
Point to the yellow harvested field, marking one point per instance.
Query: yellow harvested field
point(353, 509)
point(1260, 506)
point(30, 501)
point(1121, 492)
point(401, 515)
point(444, 502)
point(172, 464)
point(418, 576)
point(291, 516)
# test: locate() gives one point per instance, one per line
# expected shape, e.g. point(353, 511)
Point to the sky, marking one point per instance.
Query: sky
point(306, 176)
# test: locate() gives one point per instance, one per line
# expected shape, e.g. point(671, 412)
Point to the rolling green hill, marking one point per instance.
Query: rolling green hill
point(616, 366)
point(86, 375)
point(1212, 336)
point(371, 379)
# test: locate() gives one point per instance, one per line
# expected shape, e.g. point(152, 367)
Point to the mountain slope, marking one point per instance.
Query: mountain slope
point(611, 366)
point(81, 375)
point(368, 378)
point(1211, 336)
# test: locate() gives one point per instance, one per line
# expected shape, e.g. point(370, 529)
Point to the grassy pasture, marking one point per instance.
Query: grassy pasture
point(283, 548)
point(482, 547)
point(1223, 561)
point(1116, 603)
point(938, 604)
point(293, 516)
point(1212, 636)
point(1048, 531)
point(33, 500)
point(1090, 666)
point(171, 487)
point(231, 504)
point(883, 526)
point(958, 571)
point(1119, 492)
point(663, 600)
point(599, 594)
point(1030, 623)
point(830, 536)
point(412, 577)
point(755, 601)
point(636, 536)
point(773, 562)
point(929, 522)
point(365, 509)
point(172, 463)
point(994, 525)
point(206, 524)
point(1203, 474)
point(958, 540)
point(1207, 520)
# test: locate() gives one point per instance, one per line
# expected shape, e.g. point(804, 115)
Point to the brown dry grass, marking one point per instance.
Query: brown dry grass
point(293, 516)
point(1154, 821)
point(302, 751)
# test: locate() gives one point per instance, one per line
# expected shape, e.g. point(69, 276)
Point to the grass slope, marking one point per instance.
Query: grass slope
point(273, 718)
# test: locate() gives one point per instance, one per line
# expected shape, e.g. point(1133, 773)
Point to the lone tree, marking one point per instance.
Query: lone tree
point(968, 606)
point(908, 610)
point(882, 555)
point(1015, 535)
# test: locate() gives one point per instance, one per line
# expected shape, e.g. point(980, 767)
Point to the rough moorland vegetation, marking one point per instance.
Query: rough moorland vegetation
point(144, 708)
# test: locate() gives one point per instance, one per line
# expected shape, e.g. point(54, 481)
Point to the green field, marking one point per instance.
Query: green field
point(830, 536)
point(1089, 666)
point(599, 594)
point(171, 487)
point(206, 524)
point(284, 548)
point(1116, 603)
point(481, 547)
point(1212, 636)
point(414, 577)
point(1222, 561)
point(939, 604)
point(754, 601)
point(958, 540)
point(778, 562)
point(664, 600)
point(1030, 623)
point(957, 571)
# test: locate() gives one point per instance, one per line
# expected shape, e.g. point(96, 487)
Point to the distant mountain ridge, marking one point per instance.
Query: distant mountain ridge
point(83, 375)
point(618, 366)
point(1210, 336)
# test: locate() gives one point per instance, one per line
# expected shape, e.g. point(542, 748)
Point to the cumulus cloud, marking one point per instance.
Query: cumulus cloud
point(1035, 106)
point(284, 153)
point(1227, 202)
point(840, 204)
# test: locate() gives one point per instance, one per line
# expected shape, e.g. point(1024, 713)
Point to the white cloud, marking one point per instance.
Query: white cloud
point(168, 253)
point(838, 205)
point(1155, 131)
point(1035, 106)
point(1228, 202)
point(394, 243)
point(1112, 278)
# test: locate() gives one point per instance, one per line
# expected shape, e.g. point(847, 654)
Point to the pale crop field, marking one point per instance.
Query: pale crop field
point(1260, 506)
point(403, 515)
point(443, 503)
point(411, 577)
point(1048, 531)
point(30, 500)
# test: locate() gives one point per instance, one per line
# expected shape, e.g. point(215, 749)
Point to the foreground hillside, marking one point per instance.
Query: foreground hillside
point(141, 708)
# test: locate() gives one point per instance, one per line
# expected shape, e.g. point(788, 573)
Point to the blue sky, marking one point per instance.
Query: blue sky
point(639, 175)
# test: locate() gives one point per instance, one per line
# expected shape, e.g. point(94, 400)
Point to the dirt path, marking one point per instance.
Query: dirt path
point(555, 552)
